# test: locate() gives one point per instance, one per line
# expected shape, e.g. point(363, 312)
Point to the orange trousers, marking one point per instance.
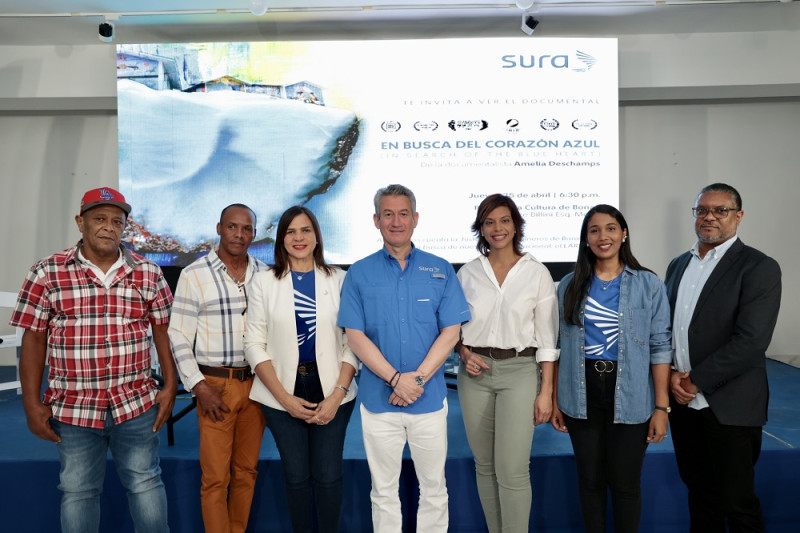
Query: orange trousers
point(229, 456)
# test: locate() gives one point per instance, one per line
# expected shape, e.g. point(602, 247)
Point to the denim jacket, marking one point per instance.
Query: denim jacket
point(644, 339)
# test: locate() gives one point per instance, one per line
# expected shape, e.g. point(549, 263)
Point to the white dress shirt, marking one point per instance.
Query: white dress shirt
point(694, 279)
point(522, 312)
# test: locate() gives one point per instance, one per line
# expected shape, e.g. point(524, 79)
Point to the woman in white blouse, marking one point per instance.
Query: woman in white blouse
point(303, 367)
point(512, 335)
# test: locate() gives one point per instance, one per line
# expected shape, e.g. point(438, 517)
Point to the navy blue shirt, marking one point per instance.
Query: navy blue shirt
point(401, 312)
point(305, 314)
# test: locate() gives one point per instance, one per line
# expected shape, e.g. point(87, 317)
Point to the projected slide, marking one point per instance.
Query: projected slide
point(325, 124)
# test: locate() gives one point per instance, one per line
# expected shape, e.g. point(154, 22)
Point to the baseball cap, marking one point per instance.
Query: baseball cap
point(104, 196)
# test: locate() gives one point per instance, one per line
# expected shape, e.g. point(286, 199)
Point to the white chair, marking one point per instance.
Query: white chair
point(9, 300)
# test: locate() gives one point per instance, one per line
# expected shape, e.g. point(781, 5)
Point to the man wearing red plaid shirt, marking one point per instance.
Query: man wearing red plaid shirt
point(91, 306)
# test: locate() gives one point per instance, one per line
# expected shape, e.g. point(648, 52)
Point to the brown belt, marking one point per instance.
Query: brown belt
point(503, 353)
point(242, 373)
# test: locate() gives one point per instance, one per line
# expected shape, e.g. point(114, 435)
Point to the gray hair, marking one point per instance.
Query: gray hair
point(394, 190)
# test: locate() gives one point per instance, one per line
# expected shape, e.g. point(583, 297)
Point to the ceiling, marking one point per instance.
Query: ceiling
point(59, 22)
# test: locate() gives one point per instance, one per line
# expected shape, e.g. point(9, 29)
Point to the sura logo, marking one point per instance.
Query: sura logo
point(428, 269)
point(581, 61)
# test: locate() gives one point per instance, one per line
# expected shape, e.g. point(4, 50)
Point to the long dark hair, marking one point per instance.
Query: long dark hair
point(584, 266)
point(489, 204)
point(281, 266)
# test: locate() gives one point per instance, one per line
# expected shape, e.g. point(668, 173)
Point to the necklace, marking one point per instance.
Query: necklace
point(232, 267)
point(604, 285)
point(299, 275)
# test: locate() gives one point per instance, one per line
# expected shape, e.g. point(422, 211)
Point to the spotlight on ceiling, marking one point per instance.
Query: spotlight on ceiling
point(106, 31)
point(258, 7)
point(529, 6)
point(529, 24)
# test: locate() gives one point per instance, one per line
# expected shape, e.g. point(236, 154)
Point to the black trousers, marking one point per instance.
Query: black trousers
point(717, 464)
point(608, 457)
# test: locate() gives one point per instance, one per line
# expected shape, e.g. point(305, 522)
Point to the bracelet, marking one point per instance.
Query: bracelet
point(345, 389)
point(396, 381)
point(389, 382)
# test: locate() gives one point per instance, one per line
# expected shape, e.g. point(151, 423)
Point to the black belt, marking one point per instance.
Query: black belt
point(305, 369)
point(242, 373)
point(503, 353)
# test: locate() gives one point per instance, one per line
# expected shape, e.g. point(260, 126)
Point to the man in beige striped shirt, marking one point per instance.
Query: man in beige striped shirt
point(206, 331)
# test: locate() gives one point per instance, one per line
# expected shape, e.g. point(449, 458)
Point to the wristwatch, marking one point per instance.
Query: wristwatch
point(419, 380)
point(666, 409)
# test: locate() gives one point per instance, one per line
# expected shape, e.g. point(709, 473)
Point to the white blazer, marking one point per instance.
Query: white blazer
point(271, 333)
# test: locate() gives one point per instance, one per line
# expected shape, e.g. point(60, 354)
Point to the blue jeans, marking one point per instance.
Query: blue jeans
point(311, 455)
point(83, 454)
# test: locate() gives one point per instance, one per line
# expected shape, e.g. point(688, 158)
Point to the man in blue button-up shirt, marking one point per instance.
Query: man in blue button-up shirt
point(402, 309)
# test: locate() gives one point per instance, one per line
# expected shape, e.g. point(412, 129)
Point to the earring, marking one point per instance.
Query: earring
point(625, 238)
point(587, 244)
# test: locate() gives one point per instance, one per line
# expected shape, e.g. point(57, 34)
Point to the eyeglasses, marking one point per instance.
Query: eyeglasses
point(718, 212)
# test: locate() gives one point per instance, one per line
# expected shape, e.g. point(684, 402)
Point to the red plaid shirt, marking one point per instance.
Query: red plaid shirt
point(99, 349)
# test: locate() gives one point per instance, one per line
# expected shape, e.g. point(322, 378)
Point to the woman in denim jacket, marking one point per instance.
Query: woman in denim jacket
point(611, 392)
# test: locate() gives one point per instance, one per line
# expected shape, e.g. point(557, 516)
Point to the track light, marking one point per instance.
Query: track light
point(529, 6)
point(106, 31)
point(529, 24)
point(258, 7)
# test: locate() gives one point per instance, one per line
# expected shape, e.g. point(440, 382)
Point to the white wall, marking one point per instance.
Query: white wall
point(710, 59)
point(47, 162)
point(696, 108)
point(58, 71)
point(669, 152)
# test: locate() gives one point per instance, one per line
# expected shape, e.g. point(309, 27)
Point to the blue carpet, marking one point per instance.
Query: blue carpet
point(29, 475)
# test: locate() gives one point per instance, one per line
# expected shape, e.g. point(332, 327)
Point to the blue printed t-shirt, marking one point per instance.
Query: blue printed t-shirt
point(601, 319)
point(305, 313)
point(644, 339)
point(401, 312)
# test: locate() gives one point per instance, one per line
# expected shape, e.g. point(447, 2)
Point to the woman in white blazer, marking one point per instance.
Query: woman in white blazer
point(304, 369)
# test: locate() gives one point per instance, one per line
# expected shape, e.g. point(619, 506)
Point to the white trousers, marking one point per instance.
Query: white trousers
point(385, 436)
